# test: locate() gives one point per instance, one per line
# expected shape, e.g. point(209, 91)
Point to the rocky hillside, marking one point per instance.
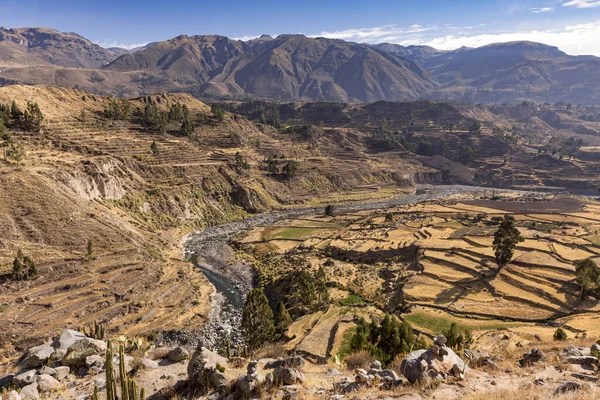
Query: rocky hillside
point(87, 178)
point(28, 47)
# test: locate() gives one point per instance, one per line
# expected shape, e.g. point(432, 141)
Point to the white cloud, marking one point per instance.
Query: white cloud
point(540, 10)
point(107, 44)
point(582, 3)
point(573, 39)
point(246, 38)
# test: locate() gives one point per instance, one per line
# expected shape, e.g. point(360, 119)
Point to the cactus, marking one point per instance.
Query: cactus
point(96, 331)
point(129, 389)
point(123, 374)
point(110, 374)
point(95, 394)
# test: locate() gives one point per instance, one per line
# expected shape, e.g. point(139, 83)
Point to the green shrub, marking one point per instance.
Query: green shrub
point(560, 334)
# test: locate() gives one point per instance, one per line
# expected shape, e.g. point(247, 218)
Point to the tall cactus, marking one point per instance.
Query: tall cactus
point(95, 394)
point(110, 374)
point(123, 374)
point(129, 389)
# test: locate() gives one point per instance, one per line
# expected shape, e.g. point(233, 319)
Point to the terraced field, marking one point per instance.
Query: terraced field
point(433, 264)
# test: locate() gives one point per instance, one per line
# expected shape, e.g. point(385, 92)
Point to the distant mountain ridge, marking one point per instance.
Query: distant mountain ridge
point(300, 68)
point(42, 46)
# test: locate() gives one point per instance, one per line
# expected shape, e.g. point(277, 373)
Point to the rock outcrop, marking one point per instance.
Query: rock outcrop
point(437, 362)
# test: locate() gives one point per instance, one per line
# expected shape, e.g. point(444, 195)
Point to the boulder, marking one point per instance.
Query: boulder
point(567, 387)
point(202, 370)
point(37, 356)
point(61, 373)
point(24, 378)
point(249, 384)
point(582, 360)
point(6, 380)
point(574, 351)
point(12, 395)
point(178, 354)
point(423, 364)
point(46, 384)
point(94, 361)
point(252, 367)
point(149, 364)
point(289, 362)
point(534, 356)
point(67, 338)
point(30, 392)
point(595, 350)
point(288, 376)
point(376, 365)
point(81, 349)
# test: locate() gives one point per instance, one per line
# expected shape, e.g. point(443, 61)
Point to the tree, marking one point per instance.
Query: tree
point(272, 166)
point(282, 319)
point(257, 319)
point(90, 250)
point(15, 111)
point(16, 151)
point(587, 275)
point(321, 287)
point(560, 334)
point(29, 267)
point(217, 112)
point(290, 169)
point(466, 154)
point(305, 289)
point(154, 148)
point(17, 269)
point(475, 127)
point(5, 136)
point(505, 240)
point(187, 126)
point(32, 118)
point(360, 339)
point(458, 338)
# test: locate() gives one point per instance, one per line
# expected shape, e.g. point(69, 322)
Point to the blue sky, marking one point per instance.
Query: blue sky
point(572, 25)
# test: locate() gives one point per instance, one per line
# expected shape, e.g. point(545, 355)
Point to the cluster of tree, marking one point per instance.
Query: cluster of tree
point(458, 338)
point(24, 267)
point(217, 112)
point(117, 109)
point(240, 161)
point(12, 115)
point(563, 147)
point(310, 289)
point(187, 126)
point(258, 322)
point(270, 119)
point(289, 168)
point(29, 120)
point(155, 118)
point(475, 128)
point(465, 154)
point(385, 339)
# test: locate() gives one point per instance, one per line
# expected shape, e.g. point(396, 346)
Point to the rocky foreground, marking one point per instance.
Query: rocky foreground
point(73, 365)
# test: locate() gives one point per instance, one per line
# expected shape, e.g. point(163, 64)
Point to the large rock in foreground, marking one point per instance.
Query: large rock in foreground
point(437, 362)
point(203, 373)
point(80, 350)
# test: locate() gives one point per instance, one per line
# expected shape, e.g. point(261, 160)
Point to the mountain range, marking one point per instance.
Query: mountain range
point(300, 68)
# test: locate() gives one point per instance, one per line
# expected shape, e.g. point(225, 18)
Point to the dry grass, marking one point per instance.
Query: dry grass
point(362, 359)
point(272, 350)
